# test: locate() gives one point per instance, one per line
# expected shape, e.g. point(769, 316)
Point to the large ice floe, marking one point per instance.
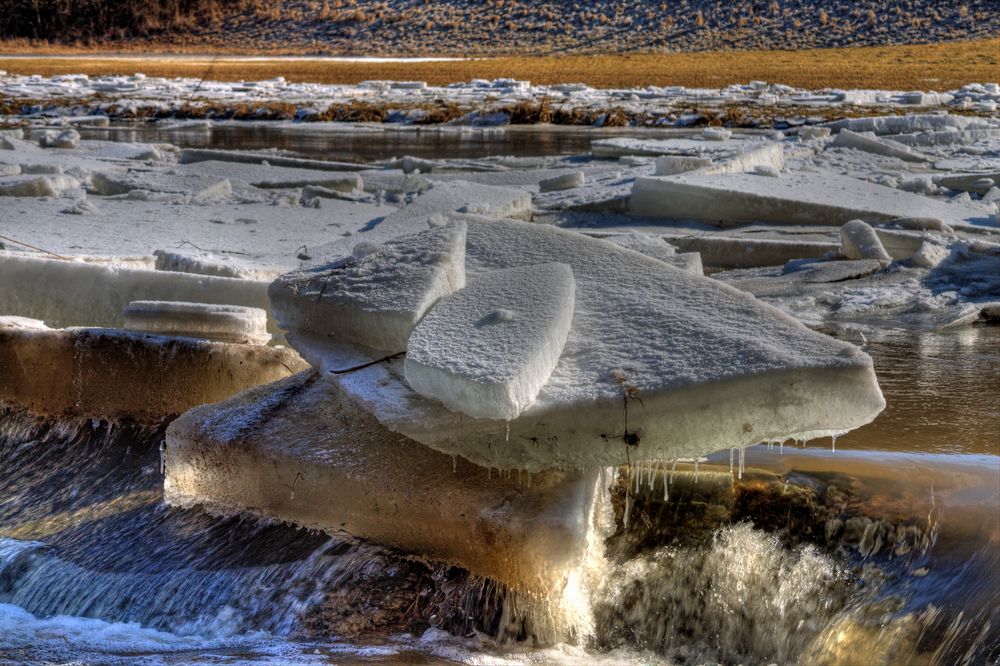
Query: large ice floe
point(657, 362)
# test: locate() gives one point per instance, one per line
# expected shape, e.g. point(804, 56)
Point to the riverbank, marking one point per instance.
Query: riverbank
point(912, 67)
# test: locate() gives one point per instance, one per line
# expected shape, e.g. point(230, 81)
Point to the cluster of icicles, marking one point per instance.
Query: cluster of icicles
point(638, 474)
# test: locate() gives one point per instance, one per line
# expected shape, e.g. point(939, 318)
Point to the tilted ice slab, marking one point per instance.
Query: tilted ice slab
point(110, 183)
point(676, 364)
point(870, 144)
point(794, 198)
point(377, 296)
point(488, 349)
point(194, 155)
point(224, 323)
point(688, 146)
point(657, 248)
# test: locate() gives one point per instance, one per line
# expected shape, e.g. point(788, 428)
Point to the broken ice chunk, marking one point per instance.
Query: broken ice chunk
point(36, 186)
point(716, 134)
point(488, 349)
point(564, 182)
point(858, 240)
point(66, 139)
point(376, 297)
point(930, 254)
point(223, 323)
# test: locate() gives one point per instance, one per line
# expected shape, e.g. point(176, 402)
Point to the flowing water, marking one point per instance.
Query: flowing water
point(884, 550)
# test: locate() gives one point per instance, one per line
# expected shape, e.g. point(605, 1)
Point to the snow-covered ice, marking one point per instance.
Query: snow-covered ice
point(376, 296)
point(488, 349)
point(858, 240)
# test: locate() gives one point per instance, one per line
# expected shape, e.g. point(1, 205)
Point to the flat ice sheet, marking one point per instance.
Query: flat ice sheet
point(794, 198)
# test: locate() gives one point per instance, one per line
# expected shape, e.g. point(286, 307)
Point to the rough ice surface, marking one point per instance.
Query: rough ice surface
point(377, 296)
point(858, 240)
point(795, 198)
point(225, 323)
point(488, 349)
point(651, 352)
point(949, 285)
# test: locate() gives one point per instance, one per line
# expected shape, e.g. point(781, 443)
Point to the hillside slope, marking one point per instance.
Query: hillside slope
point(493, 27)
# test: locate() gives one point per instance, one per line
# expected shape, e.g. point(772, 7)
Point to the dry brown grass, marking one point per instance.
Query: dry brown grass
point(923, 67)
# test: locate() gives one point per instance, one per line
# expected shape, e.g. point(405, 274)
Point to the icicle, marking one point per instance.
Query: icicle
point(781, 448)
point(507, 436)
point(652, 474)
point(603, 482)
point(666, 486)
point(696, 469)
point(673, 468)
point(784, 488)
point(743, 461)
point(628, 509)
point(833, 444)
point(163, 457)
point(637, 474)
point(731, 452)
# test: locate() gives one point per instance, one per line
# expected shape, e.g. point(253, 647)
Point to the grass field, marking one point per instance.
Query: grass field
point(918, 67)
